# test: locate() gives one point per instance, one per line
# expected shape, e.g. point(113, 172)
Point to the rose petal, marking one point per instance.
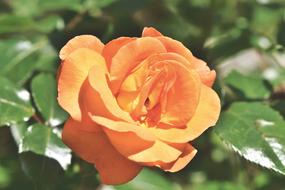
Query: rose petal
point(206, 115)
point(129, 56)
point(158, 152)
point(74, 71)
point(188, 154)
point(207, 76)
point(112, 47)
point(150, 32)
point(82, 41)
point(121, 126)
point(95, 148)
point(186, 88)
point(136, 143)
point(99, 98)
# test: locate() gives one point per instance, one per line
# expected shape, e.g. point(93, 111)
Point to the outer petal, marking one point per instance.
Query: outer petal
point(206, 115)
point(207, 76)
point(95, 148)
point(175, 46)
point(150, 32)
point(83, 41)
point(129, 56)
point(112, 48)
point(73, 73)
point(188, 154)
point(136, 142)
point(158, 152)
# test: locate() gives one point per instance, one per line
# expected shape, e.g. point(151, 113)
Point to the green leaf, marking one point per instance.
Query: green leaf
point(13, 23)
point(44, 94)
point(17, 59)
point(45, 173)
point(256, 132)
point(31, 8)
point(219, 185)
point(46, 141)
point(14, 103)
point(250, 86)
point(147, 179)
point(18, 131)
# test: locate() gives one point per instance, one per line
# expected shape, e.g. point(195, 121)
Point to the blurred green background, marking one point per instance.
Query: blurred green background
point(243, 40)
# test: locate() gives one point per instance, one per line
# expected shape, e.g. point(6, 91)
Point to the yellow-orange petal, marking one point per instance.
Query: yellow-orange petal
point(175, 46)
point(127, 143)
point(206, 115)
point(207, 76)
point(82, 41)
point(74, 70)
point(99, 99)
point(95, 148)
point(136, 142)
point(112, 47)
point(158, 152)
point(183, 97)
point(129, 56)
point(188, 154)
point(150, 32)
point(121, 126)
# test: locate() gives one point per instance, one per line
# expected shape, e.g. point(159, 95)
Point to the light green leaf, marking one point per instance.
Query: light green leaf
point(14, 103)
point(256, 132)
point(44, 94)
point(147, 179)
point(250, 86)
point(46, 141)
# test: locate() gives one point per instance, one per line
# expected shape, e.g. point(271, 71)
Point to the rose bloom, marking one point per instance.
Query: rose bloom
point(134, 102)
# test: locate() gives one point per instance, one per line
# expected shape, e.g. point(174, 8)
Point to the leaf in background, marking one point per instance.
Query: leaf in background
point(219, 185)
point(47, 59)
point(18, 59)
point(251, 87)
point(50, 23)
point(15, 103)
point(147, 179)
point(45, 173)
point(46, 141)
point(44, 94)
point(32, 8)
point(13, 23)
point(18, 131)
point(256, 132)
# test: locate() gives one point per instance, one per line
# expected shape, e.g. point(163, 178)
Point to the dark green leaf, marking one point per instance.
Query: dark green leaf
point(18, 59)
point(251, 87)
point(256, 132)
point(45, 173)
point(14, 103)
point(18, 131)
point(147, 179)
point(218, 185)
point(46, 141)
point(44, 94)
point(13, 23)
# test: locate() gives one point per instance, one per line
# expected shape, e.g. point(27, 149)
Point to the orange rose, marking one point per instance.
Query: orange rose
point(134, 102)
